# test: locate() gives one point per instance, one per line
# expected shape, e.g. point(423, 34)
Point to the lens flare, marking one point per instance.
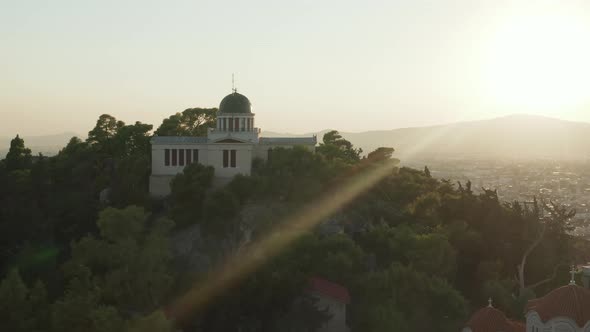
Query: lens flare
point(245, 262)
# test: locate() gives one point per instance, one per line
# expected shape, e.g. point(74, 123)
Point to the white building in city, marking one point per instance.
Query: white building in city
point(230, 147)
point(565, 309)
point(334, 298)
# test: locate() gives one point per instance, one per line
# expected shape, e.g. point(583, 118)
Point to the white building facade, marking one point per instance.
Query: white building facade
point(230, 147)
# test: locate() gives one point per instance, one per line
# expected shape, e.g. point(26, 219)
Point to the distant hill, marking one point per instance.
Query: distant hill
point(46, 144)
point(510, 137)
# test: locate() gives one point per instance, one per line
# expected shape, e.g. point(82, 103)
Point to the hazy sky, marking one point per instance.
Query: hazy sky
point(305, 65)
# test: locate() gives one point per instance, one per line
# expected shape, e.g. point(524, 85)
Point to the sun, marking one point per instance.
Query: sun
point(540, 62)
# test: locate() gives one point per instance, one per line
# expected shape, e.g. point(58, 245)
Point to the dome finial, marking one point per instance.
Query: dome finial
point(490, 302)
point(233, 86)
point(573, 273)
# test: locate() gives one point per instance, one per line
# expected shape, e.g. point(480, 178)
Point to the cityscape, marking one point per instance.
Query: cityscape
point(563, 182)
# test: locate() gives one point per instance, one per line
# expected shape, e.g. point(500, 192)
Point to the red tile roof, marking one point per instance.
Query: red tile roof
point(570, 301)
point(490, 319)
point(330, 289)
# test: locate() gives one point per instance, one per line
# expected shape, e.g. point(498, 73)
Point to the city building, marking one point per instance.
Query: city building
point(565, 309)
point(230, 147)
point(490, 319)
point(334, 298)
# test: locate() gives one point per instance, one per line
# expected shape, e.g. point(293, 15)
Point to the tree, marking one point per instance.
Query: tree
point(275, 298)
point(22, 309)
point(130, 260)
point(427, 171)
point(336, 147)
point(558, 222)
point(123, 272)
point(21, 216)
point(305, 315)
point(154, 322)
point(18, 156)
point(220, 210)
point(188, 192)
point(414, 300)
point(295, 174)
point(105, 130)
point(132, 140)
point(191, 122)
point(380, 154)
point(130, 181)
point(72, 195)
point(80, 309)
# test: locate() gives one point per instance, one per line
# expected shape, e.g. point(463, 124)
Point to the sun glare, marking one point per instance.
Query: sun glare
point(540, 63)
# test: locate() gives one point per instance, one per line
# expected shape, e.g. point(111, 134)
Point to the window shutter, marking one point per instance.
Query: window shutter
point(225, 158)
point(174, 157)
point(181, 157)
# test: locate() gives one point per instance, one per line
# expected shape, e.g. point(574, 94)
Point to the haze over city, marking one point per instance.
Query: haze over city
point(305, 65)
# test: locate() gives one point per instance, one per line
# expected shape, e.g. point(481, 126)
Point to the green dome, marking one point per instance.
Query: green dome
point(235, 103)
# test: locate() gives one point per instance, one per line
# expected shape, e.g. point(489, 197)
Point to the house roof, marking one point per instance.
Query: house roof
point(330, 289)
point(178, 139)
point(571, 301)
point(288, 140)
point(490, 319)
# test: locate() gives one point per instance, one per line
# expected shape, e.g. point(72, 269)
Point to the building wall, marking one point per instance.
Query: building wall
point(158, 165)
point(338, 311)
point(209, 155)
point(557, 324)
point(243, 159)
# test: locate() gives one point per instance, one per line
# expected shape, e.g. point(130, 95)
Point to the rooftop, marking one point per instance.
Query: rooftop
point(235, 103)
point(329, 289)
point(490, 319)
point(571, 301)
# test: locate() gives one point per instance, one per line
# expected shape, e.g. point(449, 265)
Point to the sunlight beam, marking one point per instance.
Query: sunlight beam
point(244, 263)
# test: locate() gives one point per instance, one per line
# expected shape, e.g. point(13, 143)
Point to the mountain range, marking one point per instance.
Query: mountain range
point(509, 137)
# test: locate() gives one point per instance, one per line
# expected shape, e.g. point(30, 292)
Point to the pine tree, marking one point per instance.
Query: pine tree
point(18, 157)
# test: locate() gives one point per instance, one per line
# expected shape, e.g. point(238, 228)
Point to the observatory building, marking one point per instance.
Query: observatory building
point(230, 147)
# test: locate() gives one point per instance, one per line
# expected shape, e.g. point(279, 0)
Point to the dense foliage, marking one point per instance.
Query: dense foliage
point(84, 248)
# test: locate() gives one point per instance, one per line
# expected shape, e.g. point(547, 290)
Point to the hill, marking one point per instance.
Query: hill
point(511, 137)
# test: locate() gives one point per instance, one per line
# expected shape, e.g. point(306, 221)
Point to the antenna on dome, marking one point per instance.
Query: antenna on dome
point(490, 302)
point(233, 85)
